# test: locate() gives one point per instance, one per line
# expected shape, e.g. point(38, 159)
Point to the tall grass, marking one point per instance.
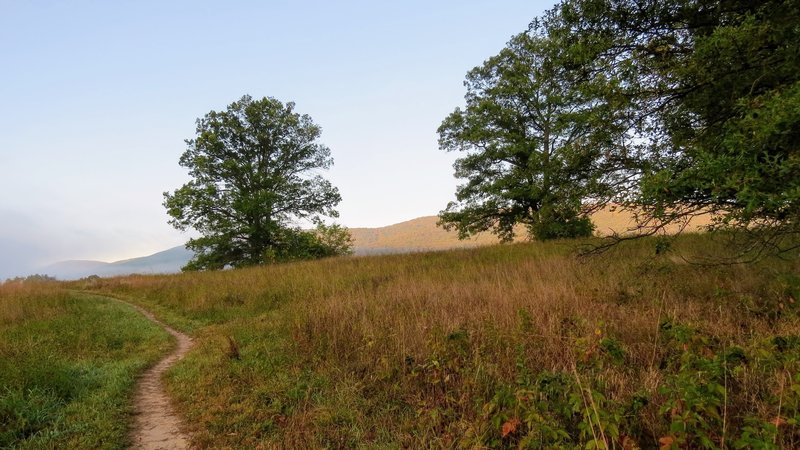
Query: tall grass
point(67, 367)
point(507, 346)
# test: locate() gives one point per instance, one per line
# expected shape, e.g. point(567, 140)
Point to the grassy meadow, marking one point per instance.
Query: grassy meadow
point(67, 367)
point(514, 346)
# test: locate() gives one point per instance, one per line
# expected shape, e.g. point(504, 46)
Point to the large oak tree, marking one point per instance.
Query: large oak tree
point(536, 143)
point(255, 177)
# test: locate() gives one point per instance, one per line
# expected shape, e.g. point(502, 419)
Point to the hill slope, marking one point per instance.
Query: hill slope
point(167, 261)
point(412, 235)
point(422, 234)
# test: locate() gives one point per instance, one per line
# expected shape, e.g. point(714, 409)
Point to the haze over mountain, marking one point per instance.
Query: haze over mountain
point(418, 234)
point(414, 235)
point(167, 261)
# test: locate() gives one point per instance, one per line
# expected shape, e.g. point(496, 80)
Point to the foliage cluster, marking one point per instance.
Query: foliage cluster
point(503, 347)
point(672, 109)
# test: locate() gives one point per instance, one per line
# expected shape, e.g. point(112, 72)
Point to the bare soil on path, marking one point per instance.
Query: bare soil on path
point(156, 425)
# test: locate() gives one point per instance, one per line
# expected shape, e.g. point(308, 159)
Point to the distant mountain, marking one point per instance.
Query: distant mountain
point(73, 269)
point(167, 261)
point(414, 235)
point(418, 234)
point(422, 233)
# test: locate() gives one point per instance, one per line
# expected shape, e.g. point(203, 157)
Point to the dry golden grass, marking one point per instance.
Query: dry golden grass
point(449, 349)
point(20, 301)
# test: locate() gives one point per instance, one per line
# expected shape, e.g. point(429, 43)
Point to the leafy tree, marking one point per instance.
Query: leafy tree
point(714, 96)
point(535, 155)
point(254, 174)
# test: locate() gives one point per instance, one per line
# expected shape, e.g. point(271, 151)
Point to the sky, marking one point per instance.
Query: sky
point(97, 98)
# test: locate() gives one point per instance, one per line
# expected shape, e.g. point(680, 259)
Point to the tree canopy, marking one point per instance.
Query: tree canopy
point(670, 108)
point(254, 170)
point(533, 150)
point(712, 94)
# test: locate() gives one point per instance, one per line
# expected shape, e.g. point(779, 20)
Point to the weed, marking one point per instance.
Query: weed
point(233, 349)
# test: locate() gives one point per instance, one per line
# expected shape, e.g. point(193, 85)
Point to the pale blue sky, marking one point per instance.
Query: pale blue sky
point(97, 98)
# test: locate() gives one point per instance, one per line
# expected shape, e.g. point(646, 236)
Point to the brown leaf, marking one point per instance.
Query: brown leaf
point(666, 442)
point(629, 444)
point(778, 421)
point(510, 426)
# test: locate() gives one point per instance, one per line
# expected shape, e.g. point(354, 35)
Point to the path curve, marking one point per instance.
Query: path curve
point(156, 425)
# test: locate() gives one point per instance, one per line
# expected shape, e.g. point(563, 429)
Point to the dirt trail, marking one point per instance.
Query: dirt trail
point(156, 425)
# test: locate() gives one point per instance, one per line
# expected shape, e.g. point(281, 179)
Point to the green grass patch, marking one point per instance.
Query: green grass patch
point(68, 364)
